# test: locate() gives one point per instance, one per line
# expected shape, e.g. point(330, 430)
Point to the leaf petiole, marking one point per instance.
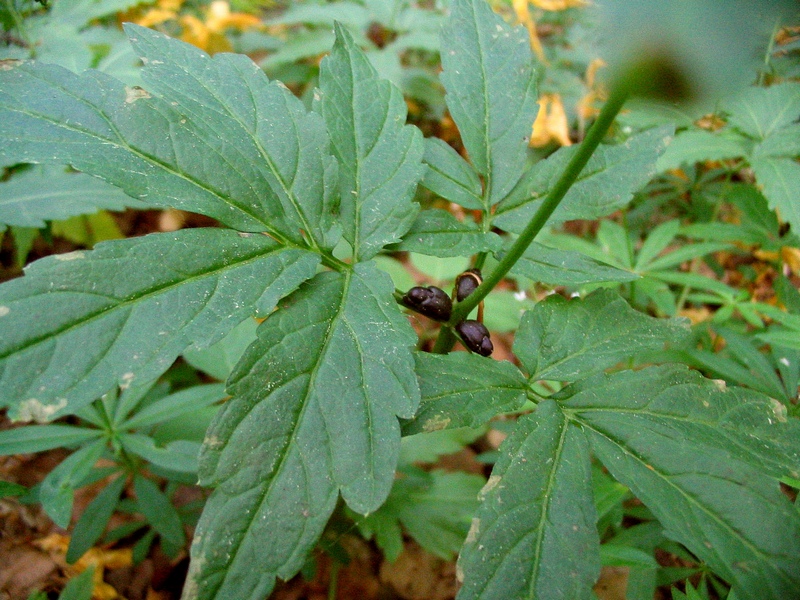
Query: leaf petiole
point(597, 132)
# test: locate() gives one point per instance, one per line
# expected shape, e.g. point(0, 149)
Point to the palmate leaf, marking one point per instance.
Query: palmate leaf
point(77, 324)
point(700, 457)
point(380, 157)
point(223, 141)
point(314, 412)
point(607, 183)
point(534, 536)
point(566, 340)
point(491, 91)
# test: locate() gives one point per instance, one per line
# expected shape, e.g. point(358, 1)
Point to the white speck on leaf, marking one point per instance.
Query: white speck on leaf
point(474, 530)
point(70, 255)
point(493, 482)
point(779, 410)
point(33, 410)
point(127, 378)
point(721, 385)
point(435, 423)
point(4, 310)
point(132, 94)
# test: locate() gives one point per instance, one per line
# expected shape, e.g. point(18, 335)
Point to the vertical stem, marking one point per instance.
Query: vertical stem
point(573, 169)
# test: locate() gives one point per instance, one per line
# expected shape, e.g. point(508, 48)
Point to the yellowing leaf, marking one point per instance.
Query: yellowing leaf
point(558, 4)
point(155, 16)
point(551, 122)
point(524, 17)
point(791, 257)
point(56, 545)
point(586, 105)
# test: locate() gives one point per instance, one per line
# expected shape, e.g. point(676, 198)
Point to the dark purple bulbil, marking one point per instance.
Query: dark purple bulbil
point(475, 337)
point(430, 301)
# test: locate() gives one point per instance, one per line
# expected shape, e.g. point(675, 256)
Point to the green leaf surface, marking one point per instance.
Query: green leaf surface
point(566, 267)
point(131, 307)
point(782, 142)
point(219, 359)
point(9, 488)
point(56, 491)
point(534, 536)
point(434, 507)
point(779, 180)
point(490, 82)
point(698, 145)
point(315, 399)
point(700, 457)
point(759, 112)
point(427, 447)
point(79, 587)
point(176, 405)
point(464, 390)
point(437, 232)
point(38, 438)
point(565, 340)
point(450, 176)
point(606, 183)
point(94, 519)
point(617, 555)
point(380, 157)
point(272, 173)
point(158, 510)
point(46, 194)
point(179, 455)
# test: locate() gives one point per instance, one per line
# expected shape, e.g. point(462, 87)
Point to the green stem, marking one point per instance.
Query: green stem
point(18, 23)
point(570, 175)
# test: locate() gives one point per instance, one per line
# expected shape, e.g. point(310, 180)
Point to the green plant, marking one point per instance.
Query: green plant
point(315, 399)
point(135, 431)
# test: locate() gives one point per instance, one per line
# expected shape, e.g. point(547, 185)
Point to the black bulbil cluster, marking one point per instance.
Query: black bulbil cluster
point(434, 303)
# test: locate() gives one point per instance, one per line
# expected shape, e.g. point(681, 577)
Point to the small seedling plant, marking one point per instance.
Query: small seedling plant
point(319, 401)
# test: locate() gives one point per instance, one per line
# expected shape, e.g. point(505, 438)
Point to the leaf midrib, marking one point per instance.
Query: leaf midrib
point(664, 477)
point(132, 300)
point(262, 151)
point(291, 442)
point(124, 145)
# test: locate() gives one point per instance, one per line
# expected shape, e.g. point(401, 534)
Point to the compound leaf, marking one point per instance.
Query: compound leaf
point(127, 309)
point(437, 232)
point(222, 141)
point(491, 91)
point(314, 412)
point(565, 340)
point(701, 457)
point(605, 184)
point(464, 390)
point(380, 157)
point(535, 534)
